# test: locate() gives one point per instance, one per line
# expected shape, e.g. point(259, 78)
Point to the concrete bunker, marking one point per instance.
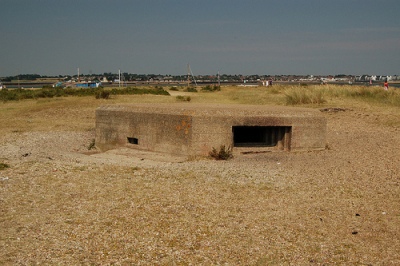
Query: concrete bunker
point(262, 136)
point(195, 129)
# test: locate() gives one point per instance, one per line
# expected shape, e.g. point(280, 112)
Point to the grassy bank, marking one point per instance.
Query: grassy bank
point(22, 94)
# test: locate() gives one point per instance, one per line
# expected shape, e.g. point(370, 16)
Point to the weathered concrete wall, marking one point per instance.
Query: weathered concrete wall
point(153, 131)
point(190, 129)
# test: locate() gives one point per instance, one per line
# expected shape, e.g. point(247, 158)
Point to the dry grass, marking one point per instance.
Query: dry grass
point(339, 206)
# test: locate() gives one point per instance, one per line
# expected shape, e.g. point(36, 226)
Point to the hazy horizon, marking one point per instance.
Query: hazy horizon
point(288, 37)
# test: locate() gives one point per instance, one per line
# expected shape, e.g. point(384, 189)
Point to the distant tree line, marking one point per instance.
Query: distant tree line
point(21, 77)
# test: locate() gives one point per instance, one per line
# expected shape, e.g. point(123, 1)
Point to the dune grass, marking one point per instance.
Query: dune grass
point(319, 94)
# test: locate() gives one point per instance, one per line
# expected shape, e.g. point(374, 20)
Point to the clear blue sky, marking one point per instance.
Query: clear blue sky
point(320, 37)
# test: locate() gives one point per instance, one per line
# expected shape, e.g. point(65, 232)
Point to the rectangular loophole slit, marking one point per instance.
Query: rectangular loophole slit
point(262, 136)
point(133, 140)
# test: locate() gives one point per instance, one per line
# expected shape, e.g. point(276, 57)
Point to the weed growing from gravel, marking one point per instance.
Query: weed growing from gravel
point(92, 145)
point(3, 166)
point(224, 153)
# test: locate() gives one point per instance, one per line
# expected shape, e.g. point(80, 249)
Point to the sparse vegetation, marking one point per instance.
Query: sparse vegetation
point(3, 166)
point(183, 98)
point(224, 153)
point(211, 88)
point(191, 89)
point(102, 94)
point(92, 145)
point(139, 91)
point(21, 94)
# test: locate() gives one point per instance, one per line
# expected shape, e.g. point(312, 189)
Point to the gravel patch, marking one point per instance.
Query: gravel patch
point(62, 203)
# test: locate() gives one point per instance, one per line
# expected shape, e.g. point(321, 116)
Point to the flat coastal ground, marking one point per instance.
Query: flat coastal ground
point(63, 204)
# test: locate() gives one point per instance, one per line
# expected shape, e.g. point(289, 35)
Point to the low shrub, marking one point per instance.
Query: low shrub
point(134, 91)
point(3, 166)
point(183, 98)
point(9, 95)
point(191, 89)
point(102, 94)
point(211, 88)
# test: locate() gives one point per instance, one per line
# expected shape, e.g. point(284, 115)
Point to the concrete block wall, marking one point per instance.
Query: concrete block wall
point(194, 129)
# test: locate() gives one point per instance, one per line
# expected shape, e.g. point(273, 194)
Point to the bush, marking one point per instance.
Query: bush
point(9, 95)
point(133, 91)
point(102, 94)
point(44, 93)
point(211, 88)
point(183, 98)
point(191, 89)
point(224, 153)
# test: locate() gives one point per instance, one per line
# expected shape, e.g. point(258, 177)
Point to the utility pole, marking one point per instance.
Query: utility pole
point(188, 75)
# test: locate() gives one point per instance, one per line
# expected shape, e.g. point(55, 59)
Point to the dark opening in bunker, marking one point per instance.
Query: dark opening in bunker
point(262, 136)
point(133, 141)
